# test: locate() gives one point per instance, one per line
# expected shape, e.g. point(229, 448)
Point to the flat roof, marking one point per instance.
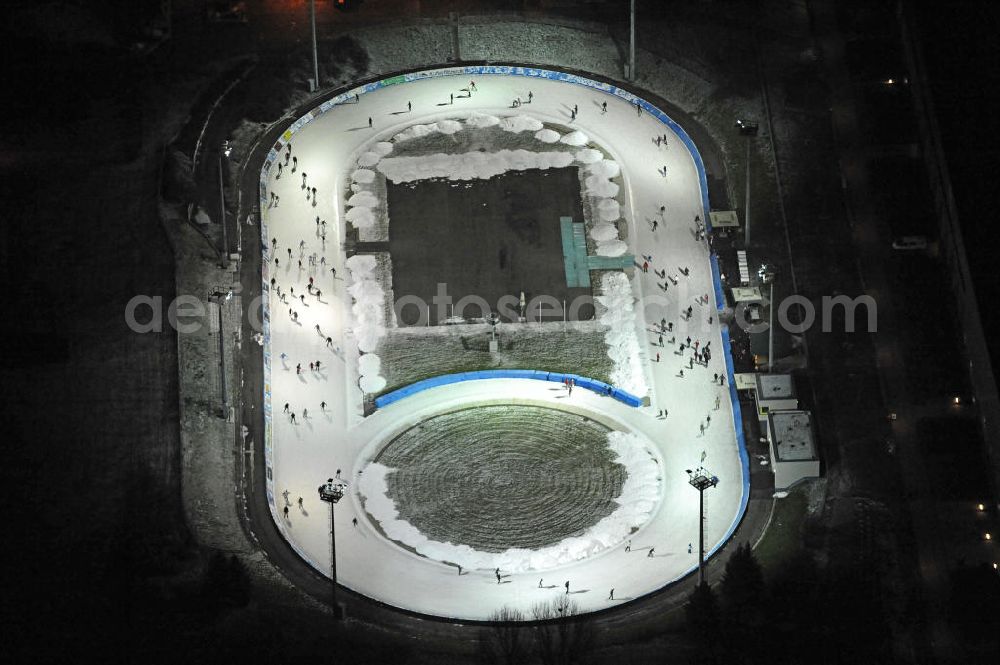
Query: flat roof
point(724, 218)
point(775, 386)
point(792, 436)
point(746, 294)
point(746, 381)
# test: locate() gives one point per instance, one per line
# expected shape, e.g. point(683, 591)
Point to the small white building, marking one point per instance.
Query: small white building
point(792, 446)
point(774, 392)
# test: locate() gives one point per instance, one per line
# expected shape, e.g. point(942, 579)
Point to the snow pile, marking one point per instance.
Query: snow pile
point(369, 366)
point(361, 218)
point(520, 123)
point(449, 126)
point(600, 186)
point(639, 496)
point(609, 210)
point(547, 135)
point(382, 148)
point(576, 138)
point(369, 303)
point(623, 346)
point(363, 176)
point(588, 156)
point(481, 120)
point(416, 132)
point(363, 199)
point(606, 168)
point(468, 165)
point(612, 248)
point(369, 159)
point(603, 232)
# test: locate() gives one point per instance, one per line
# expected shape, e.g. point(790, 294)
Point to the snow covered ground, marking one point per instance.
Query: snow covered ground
point(337, 436)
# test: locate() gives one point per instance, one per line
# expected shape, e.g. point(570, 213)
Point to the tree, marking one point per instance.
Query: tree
point(743, 605)
point(506, 641)
point(564, 637)
point(703, 623)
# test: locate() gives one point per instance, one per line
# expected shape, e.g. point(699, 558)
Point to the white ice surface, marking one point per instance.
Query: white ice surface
point(305, 454)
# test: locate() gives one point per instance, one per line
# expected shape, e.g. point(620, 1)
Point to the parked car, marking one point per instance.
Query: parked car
point(910, 243)
point(227, 12)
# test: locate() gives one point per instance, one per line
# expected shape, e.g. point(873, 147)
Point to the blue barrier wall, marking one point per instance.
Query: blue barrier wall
point(584, 382)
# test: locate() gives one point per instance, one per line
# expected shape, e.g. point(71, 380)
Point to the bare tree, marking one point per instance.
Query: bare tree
point(564, 636)
point(506, 641)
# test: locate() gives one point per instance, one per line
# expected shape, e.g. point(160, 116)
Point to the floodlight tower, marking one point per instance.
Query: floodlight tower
point(701, 480)
point(224, 151)
point(331, 492)
point(766, 275)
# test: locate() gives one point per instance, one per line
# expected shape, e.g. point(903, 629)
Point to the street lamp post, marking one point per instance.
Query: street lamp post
point(224, 152)
point(748, 130)
point(331, 492)
point(631, 41)
point(312, 20)
point(766, 276)
point(701, 480)
point(219, 296)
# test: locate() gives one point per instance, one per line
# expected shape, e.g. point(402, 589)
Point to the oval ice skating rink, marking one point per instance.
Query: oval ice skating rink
point(303, 455)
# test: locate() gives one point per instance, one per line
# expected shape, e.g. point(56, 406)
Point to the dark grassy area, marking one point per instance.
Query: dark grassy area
point(410, 357)
point(483, 238)
point(948, 444)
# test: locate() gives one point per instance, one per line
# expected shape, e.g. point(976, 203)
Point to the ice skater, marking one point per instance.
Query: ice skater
point(604, 107)
point(567, 586)
point(651, 550)
point(611, 596)
point(369, 123)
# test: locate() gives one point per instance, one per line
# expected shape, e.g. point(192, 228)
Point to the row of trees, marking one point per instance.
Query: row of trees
point(510, 642)
point(799, 615)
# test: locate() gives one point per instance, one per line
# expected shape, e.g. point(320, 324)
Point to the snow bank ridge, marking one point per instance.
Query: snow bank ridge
point(469, 165)
point(623, 345)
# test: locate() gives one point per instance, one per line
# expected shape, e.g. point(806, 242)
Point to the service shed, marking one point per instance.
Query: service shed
point(792, 446)
point(774, 392)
